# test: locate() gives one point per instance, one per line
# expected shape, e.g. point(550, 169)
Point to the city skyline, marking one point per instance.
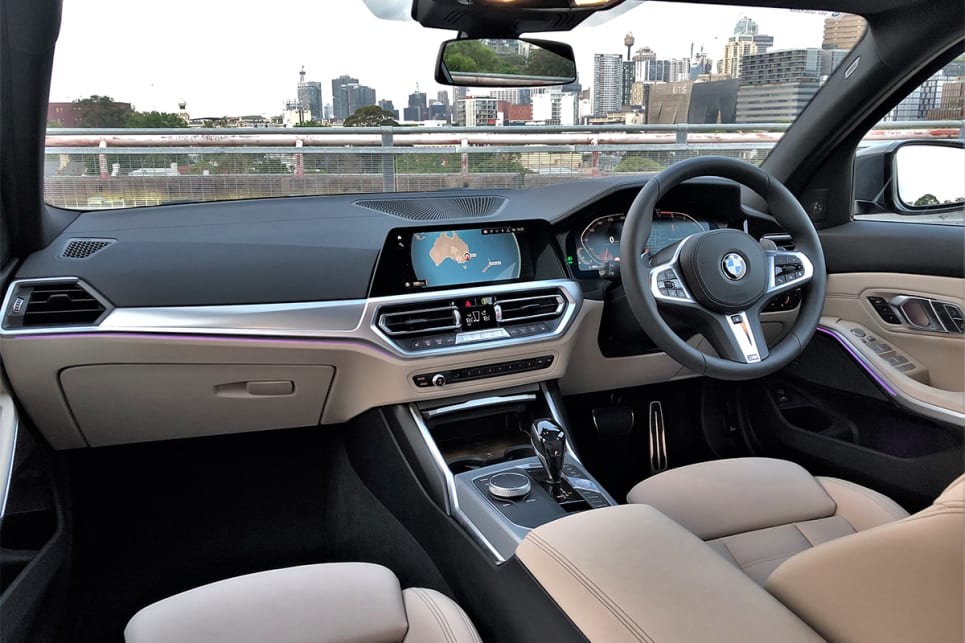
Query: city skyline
point(259, 80)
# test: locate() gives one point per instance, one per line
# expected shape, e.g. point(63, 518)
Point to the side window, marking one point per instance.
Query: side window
point(911, 166)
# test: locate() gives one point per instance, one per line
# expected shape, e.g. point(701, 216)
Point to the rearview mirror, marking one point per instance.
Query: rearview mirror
point(929, 175)
point(489, 62)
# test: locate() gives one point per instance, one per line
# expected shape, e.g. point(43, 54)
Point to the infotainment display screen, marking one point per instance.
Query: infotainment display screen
point(468, 256)
point(443, 257)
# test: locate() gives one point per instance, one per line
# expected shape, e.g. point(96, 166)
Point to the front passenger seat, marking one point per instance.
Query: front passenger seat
point(345, 602)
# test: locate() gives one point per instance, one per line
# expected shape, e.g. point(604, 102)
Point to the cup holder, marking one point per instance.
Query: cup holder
point(471, 463)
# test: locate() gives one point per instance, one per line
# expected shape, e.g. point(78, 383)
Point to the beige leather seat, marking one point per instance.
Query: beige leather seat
point(758, 512)
point(345, 602)
point(629, 573)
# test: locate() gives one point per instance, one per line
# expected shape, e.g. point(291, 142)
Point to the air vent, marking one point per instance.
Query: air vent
point(53, 304)
point(537, 306)
point(437, 208)
point(84, 248)
point(422, 321)
point(782, 241)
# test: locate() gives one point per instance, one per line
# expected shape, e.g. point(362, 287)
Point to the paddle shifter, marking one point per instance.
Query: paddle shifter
point(549, 442)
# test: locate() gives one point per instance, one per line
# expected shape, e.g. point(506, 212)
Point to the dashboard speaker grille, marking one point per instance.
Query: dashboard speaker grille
point(437, 208)
point(84, 248)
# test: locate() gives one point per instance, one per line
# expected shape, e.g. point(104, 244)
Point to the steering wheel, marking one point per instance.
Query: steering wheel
point(719, 281)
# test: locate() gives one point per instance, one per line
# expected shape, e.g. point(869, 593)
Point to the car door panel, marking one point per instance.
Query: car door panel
point(939, 357)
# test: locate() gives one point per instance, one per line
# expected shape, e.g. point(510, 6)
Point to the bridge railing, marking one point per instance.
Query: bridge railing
point(111, 168)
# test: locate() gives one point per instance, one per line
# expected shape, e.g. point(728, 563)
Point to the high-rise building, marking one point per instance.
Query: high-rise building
point(734, 51)
point(746, 40)
point(776, 86)
point(310, 97)
point(830, 59)
point(929, 97)
point(747, 27)
point(643, 64)
point(607, 83)
point(627, 84)
point(417, 106)
point(477, 111)
point(357, 96)
point(556, 107)
point(842, 31)
point(671, 71)
point(783, 65)
point(340, 98)
point(389, 106)
point(443, 97)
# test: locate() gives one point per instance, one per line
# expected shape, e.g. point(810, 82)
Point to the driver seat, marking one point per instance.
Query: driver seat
point(759, 512)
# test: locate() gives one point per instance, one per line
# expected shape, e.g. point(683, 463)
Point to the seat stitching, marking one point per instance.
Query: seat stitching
point(433, 609)
point(601, 596)
point(469, 626)
point(591, 587)
point(861, 490)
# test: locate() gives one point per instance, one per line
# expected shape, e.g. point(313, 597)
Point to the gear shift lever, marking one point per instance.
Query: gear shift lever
point(549, 442)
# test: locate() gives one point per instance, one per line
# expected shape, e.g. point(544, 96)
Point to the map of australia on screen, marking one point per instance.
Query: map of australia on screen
point(452, 258)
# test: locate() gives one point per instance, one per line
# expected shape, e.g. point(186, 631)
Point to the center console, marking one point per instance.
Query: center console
point(502, 464)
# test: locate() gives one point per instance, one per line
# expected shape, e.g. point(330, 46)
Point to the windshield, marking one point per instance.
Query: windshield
point(196, 102)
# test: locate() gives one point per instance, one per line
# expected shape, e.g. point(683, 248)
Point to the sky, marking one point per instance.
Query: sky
point(230, 58)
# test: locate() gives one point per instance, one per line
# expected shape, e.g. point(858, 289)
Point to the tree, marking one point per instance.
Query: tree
point(635, 163)
point(310, 124)
point(102, 111)
point(927, 199)
point(154, 120)
point(543, 62)
point(370, 116)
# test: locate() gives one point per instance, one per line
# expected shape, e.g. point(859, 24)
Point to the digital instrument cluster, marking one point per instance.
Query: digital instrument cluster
point(598, 245)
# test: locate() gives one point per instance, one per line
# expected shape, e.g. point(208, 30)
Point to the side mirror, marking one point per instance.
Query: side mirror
point(929, 175)
point(490, 62)
point(910, 178)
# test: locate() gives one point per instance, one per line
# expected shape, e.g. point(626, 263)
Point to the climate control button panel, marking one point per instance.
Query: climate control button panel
point(453, 376)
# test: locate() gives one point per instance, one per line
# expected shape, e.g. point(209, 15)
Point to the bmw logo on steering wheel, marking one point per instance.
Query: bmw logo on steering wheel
point(734, 265)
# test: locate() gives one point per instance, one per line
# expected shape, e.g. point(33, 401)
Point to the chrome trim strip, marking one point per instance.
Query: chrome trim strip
point(478, 403)
point(452, 502)
point(740, 329)
point(903, 399)
point(354, 319)
point(9, 443)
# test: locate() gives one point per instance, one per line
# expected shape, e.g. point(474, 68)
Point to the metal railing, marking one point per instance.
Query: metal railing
point(109, 168)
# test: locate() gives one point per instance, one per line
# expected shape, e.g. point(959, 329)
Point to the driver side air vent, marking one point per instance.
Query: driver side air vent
point(395, 322)
point(536, 306)
point(53, 304)
point(437, 208)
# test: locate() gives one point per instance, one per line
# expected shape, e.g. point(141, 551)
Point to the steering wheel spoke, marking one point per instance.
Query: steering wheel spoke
point(667, 283)
point(788, 270)
point(737, 336)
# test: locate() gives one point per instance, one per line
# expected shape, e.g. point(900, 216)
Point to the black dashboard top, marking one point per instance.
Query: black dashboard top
point(291, 249)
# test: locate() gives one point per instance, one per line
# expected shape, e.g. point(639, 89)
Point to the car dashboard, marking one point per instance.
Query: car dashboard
point(183, 320)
